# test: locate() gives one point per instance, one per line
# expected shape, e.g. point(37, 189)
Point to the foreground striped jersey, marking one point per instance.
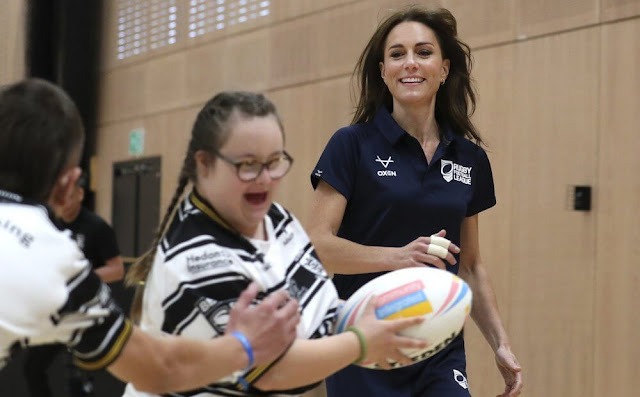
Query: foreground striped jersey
point(48, 292)
point(202, 266)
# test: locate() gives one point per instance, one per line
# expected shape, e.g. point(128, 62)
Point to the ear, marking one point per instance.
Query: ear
point(63, 189)
point(445, 68)
point(203, 162)
point(381, 64)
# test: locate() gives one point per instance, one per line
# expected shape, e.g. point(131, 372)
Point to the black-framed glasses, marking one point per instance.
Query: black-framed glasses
point(249, 170)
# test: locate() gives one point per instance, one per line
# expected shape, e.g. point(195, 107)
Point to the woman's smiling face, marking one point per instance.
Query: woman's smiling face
point(413, 66)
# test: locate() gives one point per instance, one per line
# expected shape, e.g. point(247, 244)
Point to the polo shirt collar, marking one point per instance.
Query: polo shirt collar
point(393, 132)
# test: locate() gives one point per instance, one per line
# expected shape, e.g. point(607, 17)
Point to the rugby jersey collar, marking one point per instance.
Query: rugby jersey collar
point(14, 198)
point(201, 203)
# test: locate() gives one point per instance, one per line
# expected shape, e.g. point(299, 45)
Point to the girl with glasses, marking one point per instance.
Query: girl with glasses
point(227, 232)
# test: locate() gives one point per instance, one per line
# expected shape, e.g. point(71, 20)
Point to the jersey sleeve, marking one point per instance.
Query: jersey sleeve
point(338, 162)
point(99, 329)
point(51, 294)
point(484, 196)
point(89, 322)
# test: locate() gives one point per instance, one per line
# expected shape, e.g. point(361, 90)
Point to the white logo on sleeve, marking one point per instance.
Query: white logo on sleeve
point(460, 378)
point(455, 172)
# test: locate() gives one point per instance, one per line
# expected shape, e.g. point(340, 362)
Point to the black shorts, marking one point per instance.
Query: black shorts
point(442, 375)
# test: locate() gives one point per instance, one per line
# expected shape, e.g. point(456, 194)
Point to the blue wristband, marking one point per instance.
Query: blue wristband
point(246, 345)
point(243, 383)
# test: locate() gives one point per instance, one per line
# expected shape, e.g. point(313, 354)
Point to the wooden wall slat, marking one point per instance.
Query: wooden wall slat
point(123, 93)
point(12, 41)
point(286, 9)
point(311, 114)
point(556, 101)
point(534, 18)
point(497, 123)
point(618, 9)
point(494, 22)
point(617, 288)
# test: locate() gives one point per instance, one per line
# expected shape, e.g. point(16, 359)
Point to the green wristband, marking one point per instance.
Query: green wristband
point(363, 343)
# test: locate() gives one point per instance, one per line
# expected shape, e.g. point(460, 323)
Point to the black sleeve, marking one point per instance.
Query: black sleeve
point(108, 247)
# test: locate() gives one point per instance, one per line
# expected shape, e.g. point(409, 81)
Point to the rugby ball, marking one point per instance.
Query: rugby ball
point(441, 297)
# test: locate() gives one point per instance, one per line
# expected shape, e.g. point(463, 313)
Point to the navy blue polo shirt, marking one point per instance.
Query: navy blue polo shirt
point(393, 194)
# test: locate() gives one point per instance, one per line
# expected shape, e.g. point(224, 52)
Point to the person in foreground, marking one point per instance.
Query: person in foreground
point(227, 232)
point(98, 243)
point(48, 291)
point(410, 166)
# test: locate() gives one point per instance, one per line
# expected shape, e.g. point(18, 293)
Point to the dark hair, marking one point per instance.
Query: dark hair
point(39, 128)
point(455, 100)
point(210, 131)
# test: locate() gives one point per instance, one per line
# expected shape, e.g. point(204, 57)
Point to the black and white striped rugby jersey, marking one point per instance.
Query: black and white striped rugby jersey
point(48, 292)
point(202, 266)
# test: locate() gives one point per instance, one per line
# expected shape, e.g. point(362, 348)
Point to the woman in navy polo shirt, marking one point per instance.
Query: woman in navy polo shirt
point(410, 166)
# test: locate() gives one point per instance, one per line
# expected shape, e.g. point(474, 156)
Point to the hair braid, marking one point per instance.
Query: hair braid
point(138, 272)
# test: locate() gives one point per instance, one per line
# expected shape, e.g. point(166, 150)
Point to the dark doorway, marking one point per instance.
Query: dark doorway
point(136, 204)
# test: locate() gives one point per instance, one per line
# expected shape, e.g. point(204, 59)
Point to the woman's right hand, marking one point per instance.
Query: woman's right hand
point(427, 251)
point(382, 338)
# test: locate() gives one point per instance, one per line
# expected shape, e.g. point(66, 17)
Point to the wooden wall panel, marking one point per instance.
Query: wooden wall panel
point(311, 114)
point(198, 73)
point(287, 9)
point(617, 288)
point(294, 51)
point(618, 9)
point(345, 33)
point(206, 71)
point(493, 22)
point(556, 103)
point(388, 6)
point(534, 18)
point(165, 82)
point(495, 118)
point(12, 41)
point(246, 61)
point(122, 93)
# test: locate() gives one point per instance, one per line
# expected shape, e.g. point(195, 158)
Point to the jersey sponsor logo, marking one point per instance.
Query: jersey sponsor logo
point(312, 264)
point(318, 173)
point(455, 172)
point(208, 261)
point(460, 378)
point(216, 313)
point(385, 164)
point(297, 290)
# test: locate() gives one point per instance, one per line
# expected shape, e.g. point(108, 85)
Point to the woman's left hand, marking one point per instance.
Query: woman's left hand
point(511, 372)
